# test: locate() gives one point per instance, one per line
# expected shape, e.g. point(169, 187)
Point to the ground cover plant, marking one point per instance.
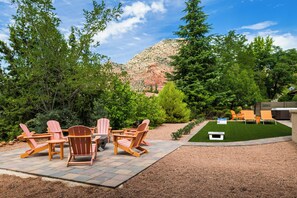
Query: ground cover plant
point(239, 131)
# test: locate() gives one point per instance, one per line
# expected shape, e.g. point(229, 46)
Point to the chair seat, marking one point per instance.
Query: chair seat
point(124, 142)
point(130, 143)
point(41, 145)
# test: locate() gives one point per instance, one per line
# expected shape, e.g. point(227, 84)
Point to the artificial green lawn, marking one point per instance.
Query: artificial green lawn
point(239, 131)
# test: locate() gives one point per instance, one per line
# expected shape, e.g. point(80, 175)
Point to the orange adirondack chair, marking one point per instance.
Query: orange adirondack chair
point(55, 129)
point(30, 139)
point(266, 115)
point(80, 145)
point(236, 116)
point(130, 142)
point(103, 128)
point(249, 116)
point(131, 131)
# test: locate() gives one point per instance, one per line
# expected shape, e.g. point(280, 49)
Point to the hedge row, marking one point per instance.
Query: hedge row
point(187, 129)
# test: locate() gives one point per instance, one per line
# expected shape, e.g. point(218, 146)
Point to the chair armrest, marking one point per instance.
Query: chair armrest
point(130, 129)
point(124, 136)
point(96, 139)
point(35, 136)
point(130, 133)
point(117, 131)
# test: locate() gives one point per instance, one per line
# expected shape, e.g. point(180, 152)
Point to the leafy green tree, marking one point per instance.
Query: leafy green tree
point(116, 103)
point(274, 68)
point(171, 100)
point(194, 63)
point(149, 108)
point(243, 89)
point(47, 72)
point(232, 49)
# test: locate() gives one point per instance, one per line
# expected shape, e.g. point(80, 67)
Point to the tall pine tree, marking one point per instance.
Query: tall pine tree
point(194, 64)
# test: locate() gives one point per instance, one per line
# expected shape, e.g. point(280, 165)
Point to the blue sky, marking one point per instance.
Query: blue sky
point(146, 22)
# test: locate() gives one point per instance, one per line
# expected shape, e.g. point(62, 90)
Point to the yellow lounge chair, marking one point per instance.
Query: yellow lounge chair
point(249, 116)
point(266, 115)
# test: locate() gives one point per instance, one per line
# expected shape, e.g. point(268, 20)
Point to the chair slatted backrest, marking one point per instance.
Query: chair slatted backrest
point(249, 115)
point(266, 114)
point(140, 133)
point(147, 121)
point(55, 128)
point(80, 140)
point(103, 126)
point(27, 133)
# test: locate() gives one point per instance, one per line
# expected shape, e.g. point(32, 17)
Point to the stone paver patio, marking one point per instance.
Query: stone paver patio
point(108, 170)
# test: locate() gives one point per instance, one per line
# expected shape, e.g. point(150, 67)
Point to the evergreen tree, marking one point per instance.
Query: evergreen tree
point(194, 63)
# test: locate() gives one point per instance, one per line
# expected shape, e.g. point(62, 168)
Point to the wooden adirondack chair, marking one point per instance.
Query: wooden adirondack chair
point(103, 128)
point(130, 142)
point(54, 128)
point(131, 131)
point(80, 145)
point(236, 116)
point(30, 139)
point(266, 115)
point(249, 116)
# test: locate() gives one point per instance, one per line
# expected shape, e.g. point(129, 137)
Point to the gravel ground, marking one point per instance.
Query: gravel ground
point(247, 171)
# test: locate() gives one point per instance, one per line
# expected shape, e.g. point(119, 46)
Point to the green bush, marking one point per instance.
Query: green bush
point(124, 107)
point(294, 98)
point(149, 108)
point(285, 98)
point(65, 117)
point(187, 129)
point(171, 100)
point(116, 103)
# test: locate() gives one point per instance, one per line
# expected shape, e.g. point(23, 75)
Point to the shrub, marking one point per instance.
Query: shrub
point(124, 107)
point(171, 100)
point(65, 117)
point(187, 129)
point(149, 108)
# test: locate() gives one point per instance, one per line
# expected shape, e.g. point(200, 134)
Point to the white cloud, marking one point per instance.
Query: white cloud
point(117, 29)
point(259, 26)
point(132, 16)
point(158, 7)
point(137, 9)
point(284, 40)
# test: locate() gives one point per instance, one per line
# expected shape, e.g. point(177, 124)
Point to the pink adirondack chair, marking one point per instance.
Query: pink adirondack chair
point(55, 129)
point(132, 130)
point(80, 145)
point(131, 142)
point(30, 139)
point(103, 128)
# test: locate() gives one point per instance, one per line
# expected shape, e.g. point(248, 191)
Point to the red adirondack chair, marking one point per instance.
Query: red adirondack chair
point(81, 145)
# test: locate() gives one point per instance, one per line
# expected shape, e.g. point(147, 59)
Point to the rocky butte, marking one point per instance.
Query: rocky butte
point(147, 70)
